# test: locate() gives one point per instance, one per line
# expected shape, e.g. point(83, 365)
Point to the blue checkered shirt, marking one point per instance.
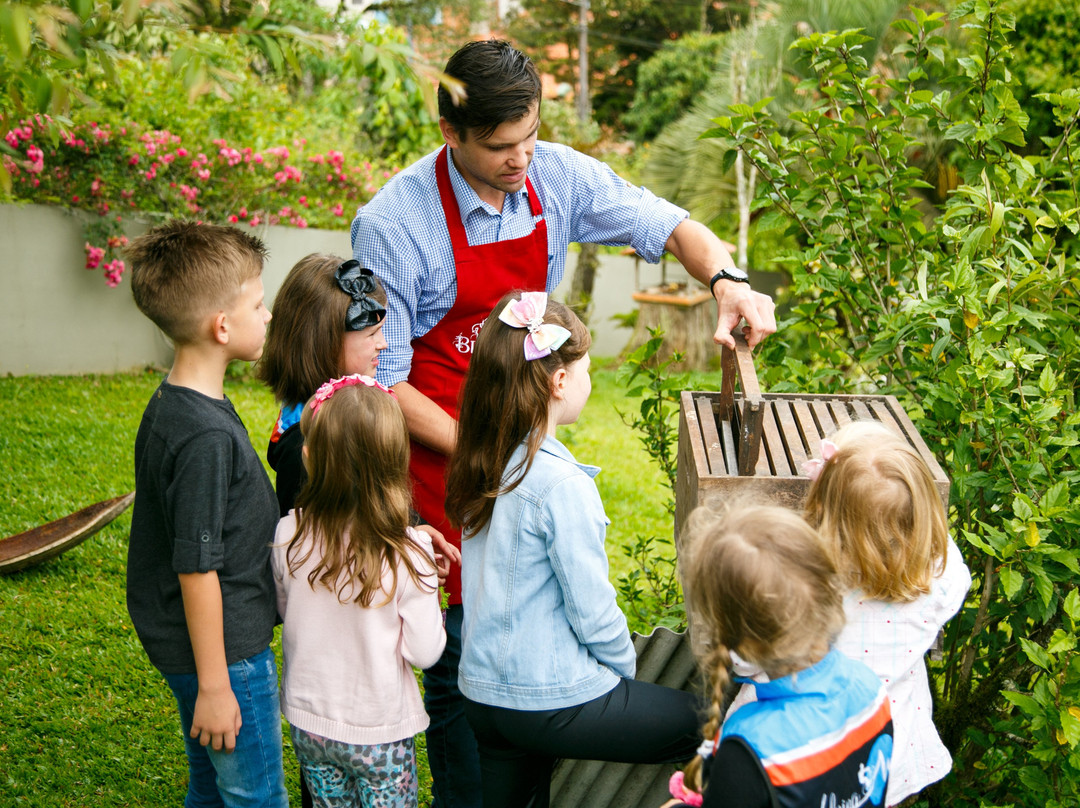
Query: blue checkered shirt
point(401, 234)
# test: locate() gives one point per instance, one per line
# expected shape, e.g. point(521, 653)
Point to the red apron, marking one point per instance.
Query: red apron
point(440, 358)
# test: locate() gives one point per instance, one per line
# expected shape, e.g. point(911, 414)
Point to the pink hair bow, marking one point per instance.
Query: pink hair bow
point(812, 468)
point(329, 388)
point(528, 312)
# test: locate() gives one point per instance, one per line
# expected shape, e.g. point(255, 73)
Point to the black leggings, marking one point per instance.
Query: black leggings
point(636, 722)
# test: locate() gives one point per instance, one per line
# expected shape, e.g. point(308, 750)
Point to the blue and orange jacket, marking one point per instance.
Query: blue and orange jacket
point(823, 735)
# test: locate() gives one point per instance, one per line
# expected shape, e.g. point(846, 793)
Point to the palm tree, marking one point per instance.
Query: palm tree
point(756, 63)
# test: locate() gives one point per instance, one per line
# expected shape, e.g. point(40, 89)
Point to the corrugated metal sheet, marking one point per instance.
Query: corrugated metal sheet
point(664, 657)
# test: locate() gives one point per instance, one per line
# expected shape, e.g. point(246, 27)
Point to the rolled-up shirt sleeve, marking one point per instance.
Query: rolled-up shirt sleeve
point(610, 210)
point(196, 500)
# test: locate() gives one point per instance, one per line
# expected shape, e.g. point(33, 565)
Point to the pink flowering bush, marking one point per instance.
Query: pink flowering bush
point(126, 170)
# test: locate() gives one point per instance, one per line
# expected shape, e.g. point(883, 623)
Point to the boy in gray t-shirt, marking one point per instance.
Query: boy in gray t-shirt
point(199, 589)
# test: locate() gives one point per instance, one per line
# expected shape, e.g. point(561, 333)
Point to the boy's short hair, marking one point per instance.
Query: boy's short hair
point(183, 271)
point(501, 85)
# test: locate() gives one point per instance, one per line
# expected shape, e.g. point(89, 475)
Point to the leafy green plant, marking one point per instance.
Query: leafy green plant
point(651, 593)
point(967, 312)
point(645, 375)
point(1044, 59)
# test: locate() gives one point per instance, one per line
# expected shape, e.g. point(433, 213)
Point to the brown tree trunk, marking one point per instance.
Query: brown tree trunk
point(581, 286)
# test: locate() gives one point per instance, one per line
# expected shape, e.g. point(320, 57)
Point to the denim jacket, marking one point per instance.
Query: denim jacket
point(542, 630)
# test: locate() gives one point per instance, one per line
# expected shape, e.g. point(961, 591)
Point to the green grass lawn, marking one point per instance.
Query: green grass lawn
point(85, 720)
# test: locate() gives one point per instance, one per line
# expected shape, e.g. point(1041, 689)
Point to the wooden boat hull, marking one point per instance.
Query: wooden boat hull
point(50, 540)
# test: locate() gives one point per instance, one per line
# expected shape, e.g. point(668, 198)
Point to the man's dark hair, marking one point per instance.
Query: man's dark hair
point(501, 85)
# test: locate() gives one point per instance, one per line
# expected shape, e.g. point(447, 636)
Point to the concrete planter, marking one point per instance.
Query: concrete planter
point(58, 318)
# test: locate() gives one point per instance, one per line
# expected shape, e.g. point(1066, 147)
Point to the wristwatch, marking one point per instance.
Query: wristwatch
point(729, 274)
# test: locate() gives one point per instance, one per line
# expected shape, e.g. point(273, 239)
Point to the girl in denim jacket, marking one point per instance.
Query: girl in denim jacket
point(547, 663)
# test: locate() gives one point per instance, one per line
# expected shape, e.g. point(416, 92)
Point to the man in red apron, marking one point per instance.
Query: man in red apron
point(492, 211)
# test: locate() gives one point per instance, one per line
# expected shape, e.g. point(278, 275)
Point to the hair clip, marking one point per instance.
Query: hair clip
point(358, 282)
point(677, 788)
point(329, 388)
point(528, 312)
point(812, 468)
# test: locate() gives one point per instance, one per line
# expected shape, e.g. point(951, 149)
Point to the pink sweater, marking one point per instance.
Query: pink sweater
point(348, 669)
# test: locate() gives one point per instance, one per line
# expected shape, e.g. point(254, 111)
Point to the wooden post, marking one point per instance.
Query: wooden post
point(688, 319)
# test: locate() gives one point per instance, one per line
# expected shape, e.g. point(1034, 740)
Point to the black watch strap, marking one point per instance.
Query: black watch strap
point(732, 274)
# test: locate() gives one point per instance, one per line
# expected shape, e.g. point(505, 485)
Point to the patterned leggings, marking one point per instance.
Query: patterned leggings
point(343, 775)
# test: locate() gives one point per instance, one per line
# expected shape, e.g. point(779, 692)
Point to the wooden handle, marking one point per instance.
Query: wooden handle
point(740, 363)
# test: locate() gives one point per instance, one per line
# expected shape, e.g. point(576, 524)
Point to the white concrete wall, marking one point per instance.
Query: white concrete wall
point(58, 318)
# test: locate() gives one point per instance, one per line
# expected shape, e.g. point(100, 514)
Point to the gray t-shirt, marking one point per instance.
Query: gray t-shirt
point(202, 502)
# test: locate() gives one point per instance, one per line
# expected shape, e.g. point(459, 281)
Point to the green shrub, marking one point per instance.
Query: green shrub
point(670, 81)
point(968, 313)
point(1045, 57)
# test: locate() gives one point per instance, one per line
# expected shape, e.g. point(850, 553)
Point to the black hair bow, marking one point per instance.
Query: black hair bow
point(358, 282)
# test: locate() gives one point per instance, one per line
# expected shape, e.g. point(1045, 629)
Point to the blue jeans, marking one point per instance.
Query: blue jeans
point(451, 745)
point(252, 774)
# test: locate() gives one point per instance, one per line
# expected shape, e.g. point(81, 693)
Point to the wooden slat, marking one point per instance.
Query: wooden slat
point(778, 456)
point(744, 359)
point(728, 442)
point(808, 427)
point(792, 440)
point(707, 422)
point(788, 491)
point(692, 466)
point(727, 384)
point(862, 412)
point(50, 540)
point(764, 467)
point(752, 412)
point(840, 413)
point(688, 410)
point(882, 413)
point(823, 417)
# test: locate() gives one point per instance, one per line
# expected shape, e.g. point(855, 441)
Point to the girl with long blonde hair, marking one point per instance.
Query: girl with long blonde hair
point(764, 592)
point(875, 504)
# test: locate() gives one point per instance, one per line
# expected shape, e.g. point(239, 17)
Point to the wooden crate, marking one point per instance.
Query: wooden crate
point(753, 445)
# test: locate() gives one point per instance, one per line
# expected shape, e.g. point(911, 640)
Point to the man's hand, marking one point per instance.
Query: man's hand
point(428, 423)
point(216, 721)
point(445, 553)
point(703, 255)
point(736, 302)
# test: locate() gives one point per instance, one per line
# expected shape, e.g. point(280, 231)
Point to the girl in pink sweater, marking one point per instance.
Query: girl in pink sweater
point(357, 592)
